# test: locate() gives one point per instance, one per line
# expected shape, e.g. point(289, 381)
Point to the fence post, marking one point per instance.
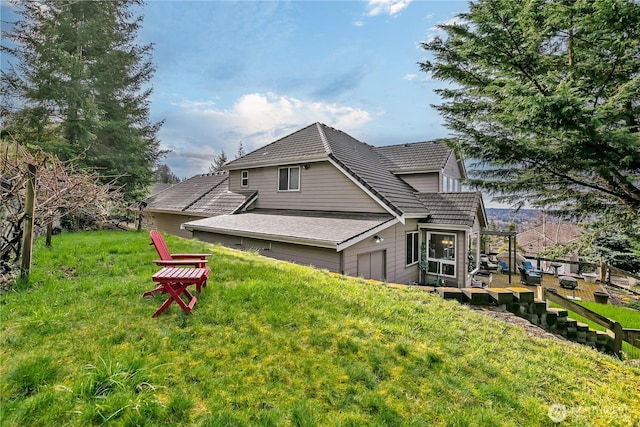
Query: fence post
point(27, 237)
point(619, 336)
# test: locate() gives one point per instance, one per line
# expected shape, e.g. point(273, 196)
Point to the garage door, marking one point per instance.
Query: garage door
point(372, 265)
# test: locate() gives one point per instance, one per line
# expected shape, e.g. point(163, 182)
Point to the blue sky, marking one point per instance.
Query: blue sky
point(254, 71)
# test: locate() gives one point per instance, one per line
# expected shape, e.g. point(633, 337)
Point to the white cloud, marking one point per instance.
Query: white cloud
point(421, 78)
point(197, 130)
point(386, 7)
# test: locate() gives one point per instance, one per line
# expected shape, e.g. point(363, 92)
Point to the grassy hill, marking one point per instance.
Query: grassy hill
point(271, 343)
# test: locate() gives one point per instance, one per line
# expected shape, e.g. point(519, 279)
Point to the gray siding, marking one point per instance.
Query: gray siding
point(322, 187)
point(394, 247)
point(170, 223)
point(451, 168)
point(324, 258)
point(450, 177)
point(422, 182)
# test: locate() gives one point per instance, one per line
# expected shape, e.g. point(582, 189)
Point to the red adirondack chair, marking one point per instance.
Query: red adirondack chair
point(167, 259)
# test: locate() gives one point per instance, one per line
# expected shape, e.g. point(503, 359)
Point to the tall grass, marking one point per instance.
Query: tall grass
point(271, 343)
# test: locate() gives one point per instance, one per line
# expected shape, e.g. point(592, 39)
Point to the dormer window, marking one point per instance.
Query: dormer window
point(244, 179)
point(289, 178)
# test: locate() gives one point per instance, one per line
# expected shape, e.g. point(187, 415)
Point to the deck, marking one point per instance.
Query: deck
point(584, 291)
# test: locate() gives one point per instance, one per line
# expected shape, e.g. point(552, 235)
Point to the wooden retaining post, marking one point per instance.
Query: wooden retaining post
point(29, 208)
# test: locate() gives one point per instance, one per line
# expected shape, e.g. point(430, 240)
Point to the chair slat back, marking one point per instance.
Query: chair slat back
point(160, 245)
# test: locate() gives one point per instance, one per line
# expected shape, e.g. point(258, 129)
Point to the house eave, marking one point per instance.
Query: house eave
point(414, 171)
point(177, 212)
point(366, 235)
point(263, 236)
point(452, 227)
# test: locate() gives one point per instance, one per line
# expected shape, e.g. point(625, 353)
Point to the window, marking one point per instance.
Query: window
point(289, 179)
point(441, 257)
point(244, 179)
point(474, 251)
point(450, 185)
point(412, 248)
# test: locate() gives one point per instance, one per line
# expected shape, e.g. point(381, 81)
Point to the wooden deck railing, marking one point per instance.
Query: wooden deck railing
point(614, 329)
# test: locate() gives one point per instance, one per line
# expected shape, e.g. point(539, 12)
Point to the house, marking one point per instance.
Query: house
point(319, 196)
point(201, 196)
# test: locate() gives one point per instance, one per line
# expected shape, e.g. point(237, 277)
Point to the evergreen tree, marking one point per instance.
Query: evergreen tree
point(79, 87)
point(545, 94)
point(241, 151)
point(218, 161)
point(165, 175)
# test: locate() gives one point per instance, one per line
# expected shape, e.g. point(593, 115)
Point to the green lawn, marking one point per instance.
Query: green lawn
point(627, 317)
point(271, 344)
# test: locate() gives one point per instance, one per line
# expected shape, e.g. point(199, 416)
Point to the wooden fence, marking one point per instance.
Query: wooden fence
point(614, 329)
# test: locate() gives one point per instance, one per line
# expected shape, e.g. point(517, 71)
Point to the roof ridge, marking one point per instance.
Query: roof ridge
point(323, 137)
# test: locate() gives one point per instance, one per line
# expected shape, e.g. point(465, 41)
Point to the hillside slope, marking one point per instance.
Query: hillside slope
point(272, 343)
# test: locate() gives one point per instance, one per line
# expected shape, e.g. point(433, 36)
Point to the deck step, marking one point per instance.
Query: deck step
point(522, 294)
point(451, 293)
point(476, 296)
point(500, 295)
point(538, 307)
point(560, 312)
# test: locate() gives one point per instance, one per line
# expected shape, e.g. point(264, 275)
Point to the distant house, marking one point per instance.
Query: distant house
point(547, 236)
point(319, 196)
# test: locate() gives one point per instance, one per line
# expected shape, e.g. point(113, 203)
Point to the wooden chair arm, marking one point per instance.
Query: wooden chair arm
point(192, 256)
point(175, 262)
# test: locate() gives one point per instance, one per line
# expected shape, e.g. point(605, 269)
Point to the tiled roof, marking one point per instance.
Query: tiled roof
point(159, 186)
point(451, 208)
point(206, 194)
point(324, 229)
point(417, 156)
point(359, 160)
point(300, 146)
point(372, 167)
point(220, 201)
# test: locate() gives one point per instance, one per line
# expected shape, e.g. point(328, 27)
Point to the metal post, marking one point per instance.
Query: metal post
point(509, 259)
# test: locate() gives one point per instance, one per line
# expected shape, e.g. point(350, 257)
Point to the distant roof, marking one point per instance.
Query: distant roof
point(548, 235)
point(322, 229)
point(204, 195)
point(359, 160)
point(418, 156)
point(453, 208)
